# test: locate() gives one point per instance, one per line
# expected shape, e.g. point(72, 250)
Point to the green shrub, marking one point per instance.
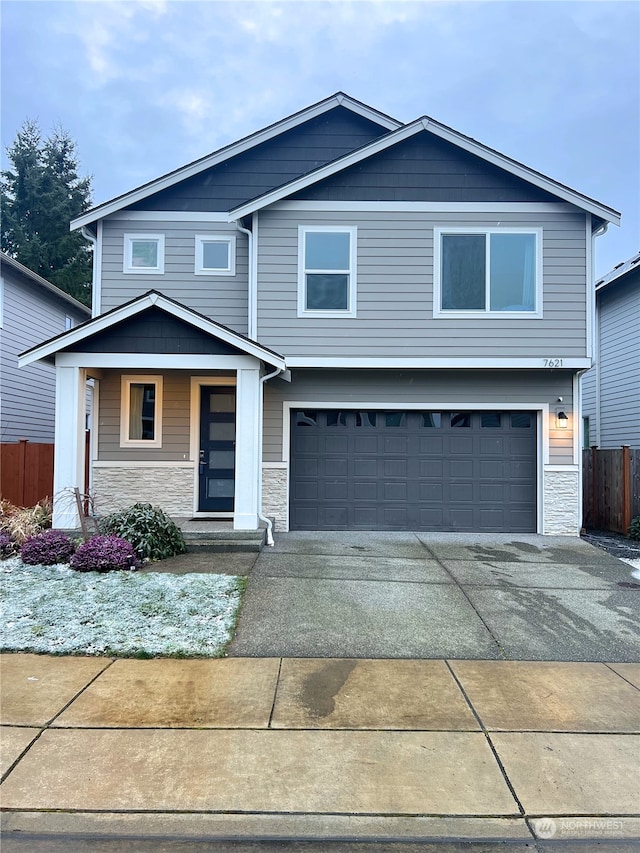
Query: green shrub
point(148, 528)
point(634, 528)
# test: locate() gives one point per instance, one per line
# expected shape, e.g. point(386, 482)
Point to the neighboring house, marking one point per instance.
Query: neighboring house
point(344, 322)
point(611, 389)
point(31, 308)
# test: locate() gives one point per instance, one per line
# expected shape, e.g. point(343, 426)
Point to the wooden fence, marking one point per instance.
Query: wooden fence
point(26, 472)
point(610, 488)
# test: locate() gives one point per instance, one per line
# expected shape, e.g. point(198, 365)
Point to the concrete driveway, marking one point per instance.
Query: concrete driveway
point(427, 595)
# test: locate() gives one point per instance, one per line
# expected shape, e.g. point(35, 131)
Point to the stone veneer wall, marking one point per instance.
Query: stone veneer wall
point(275, 502)
point(170, 488)
point(562, 503)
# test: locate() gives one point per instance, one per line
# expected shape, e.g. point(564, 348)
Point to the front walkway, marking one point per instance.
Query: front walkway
point(338, 748)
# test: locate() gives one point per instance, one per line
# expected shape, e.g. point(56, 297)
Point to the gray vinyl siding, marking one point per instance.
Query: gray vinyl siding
point(454, 389)
point(619, 315)
point(424, 168)
point(223, 298)
point(395, 290)
point(176, 403)
point(271, 164)
point(31, 315)
point(175, 419)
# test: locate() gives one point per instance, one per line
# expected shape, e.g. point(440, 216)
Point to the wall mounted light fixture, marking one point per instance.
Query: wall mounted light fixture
point(562, 421)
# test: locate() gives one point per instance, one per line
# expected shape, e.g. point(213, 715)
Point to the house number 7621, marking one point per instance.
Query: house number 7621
point(553, 362)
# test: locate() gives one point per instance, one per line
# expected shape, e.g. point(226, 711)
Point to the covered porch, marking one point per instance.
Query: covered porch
point(177, 413)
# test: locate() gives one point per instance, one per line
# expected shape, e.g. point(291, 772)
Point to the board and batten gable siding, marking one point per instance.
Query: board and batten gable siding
point(270, 164)
point(457, 390)
point(222, 298)
point(395, 289)
point(30, 315)
point(619, 336)
point(424, 168)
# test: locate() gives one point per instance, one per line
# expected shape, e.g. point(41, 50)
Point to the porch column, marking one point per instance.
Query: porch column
point(245, 516)
point(68, 460)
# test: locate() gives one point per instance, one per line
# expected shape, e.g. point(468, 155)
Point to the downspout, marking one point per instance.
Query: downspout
point(251, 333)
point(86, 233)
point(596, 334)
point(251, 283)
point(263, 518)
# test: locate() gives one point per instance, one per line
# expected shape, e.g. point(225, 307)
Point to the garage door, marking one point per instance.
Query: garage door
point(383, 470)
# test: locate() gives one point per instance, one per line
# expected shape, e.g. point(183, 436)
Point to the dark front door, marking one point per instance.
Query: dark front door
point(217, 448)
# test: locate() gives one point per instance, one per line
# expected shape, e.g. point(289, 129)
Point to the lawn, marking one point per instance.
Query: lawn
point(55, 610)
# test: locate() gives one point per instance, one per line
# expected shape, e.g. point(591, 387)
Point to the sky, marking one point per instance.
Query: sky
point(145, 87)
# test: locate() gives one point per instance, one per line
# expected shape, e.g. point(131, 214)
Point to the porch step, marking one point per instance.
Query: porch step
point(223, 540)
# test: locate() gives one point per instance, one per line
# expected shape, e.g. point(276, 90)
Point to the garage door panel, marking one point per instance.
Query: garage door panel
point(461, 471)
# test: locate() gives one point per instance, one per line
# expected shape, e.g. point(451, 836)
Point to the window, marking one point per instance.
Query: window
point(215, 254)
point(493, 271)
point(68, 323)
point(141, 411)
point(327, 271)
point(586, 433)
point(144, 253)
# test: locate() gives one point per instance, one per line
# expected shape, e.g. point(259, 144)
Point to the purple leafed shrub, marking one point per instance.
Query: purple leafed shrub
point(47, 548)
point(8, 546)
point(104, 554)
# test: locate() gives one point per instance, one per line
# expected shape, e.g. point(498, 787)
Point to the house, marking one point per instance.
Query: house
point(31, 308)
point(611, 389)
point(338, 322)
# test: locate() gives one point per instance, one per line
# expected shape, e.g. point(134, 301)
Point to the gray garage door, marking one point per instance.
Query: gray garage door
point(377, 470)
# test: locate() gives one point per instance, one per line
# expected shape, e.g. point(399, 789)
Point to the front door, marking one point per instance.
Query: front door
point(217, 448)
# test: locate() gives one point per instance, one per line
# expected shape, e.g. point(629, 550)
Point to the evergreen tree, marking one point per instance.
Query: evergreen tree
point(40, 195)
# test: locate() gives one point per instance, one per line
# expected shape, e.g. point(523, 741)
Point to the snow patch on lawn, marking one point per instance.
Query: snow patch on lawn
point(55, 610)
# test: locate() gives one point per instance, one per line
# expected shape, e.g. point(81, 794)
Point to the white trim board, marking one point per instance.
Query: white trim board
point(437, 362)
point(245, 144)
point(149, 361)
point(136, 463)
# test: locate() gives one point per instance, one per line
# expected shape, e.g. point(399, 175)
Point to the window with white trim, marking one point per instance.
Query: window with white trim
point(141, 411)
point(215, 254)
point(488, 271)
point(144, 254)
point(326, 271)
point(68, 323)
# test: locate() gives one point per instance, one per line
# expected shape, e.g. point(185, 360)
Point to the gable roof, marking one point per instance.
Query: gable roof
point(443, 132)
point(619, 271)
point(339, 99)
point(34, 278)
point(152, 298)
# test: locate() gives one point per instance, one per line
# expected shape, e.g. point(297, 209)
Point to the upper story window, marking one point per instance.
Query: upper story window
point(488, 271)
point(326, 271)
point(141, 411)
point(215, 254)
point(144, 253)
point(68, 323)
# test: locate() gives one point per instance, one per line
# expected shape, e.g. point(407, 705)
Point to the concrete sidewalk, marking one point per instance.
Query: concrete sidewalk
point(251, 748)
